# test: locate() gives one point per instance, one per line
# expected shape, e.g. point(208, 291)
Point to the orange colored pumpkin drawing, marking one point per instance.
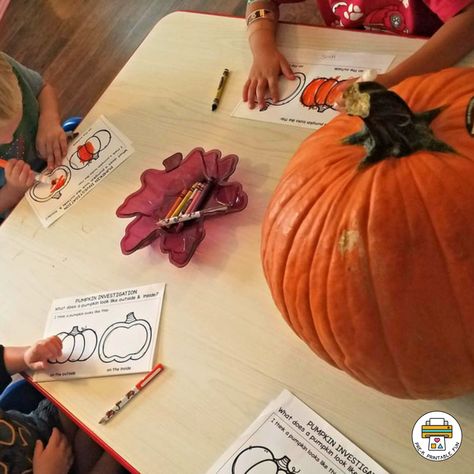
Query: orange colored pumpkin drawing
point(85, 151)
point(41, 192)
point(57, 184)
point(368, 242)
point(90, 149)
point(321, 93)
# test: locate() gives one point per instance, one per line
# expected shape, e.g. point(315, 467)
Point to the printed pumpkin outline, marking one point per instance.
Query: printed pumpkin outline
point(134, 349)
point(299, 85)
point(78, 345)
point(90, 149)
point(321, 93)
point(259, 459)
point(42, 192)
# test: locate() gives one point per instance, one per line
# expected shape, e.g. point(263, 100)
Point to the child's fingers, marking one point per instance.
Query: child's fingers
point(251, 94)
point(59, 438)
point(14, 168)
point(51, 353)
point(57, 153)
point(41, 148)
point(286, 70)
point(50, 155)
point(26, 176)
point(274, 92)
point(9, 168)
point(63, 144)
point(37, 365)
point(20, 173)
point(245, 91)
point(39, 448)
point(56, 342)
point(47, 351)
point(261, 89)
point(55, 438)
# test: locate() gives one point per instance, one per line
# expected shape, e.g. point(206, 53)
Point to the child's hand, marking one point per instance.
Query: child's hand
point(56, 458)
point(51, 141)
point(268, 64)
point(19, 175)
point(36, 357)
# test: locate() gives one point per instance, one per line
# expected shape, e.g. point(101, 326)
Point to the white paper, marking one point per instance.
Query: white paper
point(110, 333)
point(289, 437)
point(90, 158)
point(319, 80)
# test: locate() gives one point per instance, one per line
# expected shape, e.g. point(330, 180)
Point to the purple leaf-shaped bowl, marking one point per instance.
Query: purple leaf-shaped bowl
point(159, 190)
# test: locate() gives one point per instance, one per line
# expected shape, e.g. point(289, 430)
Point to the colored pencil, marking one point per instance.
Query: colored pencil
point(131, 393)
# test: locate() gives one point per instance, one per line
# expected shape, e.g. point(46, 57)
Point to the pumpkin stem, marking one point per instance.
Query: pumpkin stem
point(391, 129)
point(75, 331)
point(130, 318)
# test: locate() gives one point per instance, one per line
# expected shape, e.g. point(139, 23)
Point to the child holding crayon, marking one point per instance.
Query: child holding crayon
point(450, 22)
point(30, 130)
point(44, 441)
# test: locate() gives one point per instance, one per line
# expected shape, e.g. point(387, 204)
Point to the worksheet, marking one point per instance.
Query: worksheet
point(109, 333)
point(288, 438)
point(91, 156)
point(310, 99)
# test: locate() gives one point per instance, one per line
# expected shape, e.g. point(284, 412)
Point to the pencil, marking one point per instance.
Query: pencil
point(131, 393)
point(38, 177)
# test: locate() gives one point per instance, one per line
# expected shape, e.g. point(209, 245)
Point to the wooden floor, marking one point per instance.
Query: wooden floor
point(80, 45)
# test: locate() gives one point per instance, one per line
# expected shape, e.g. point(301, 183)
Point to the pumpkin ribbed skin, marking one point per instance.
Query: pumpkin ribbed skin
point(374, 268)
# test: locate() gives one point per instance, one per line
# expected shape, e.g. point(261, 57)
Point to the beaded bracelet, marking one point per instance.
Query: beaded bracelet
point(260, 14)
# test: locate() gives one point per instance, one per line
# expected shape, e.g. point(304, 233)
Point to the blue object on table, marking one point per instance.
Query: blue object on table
point(71, 123)
point(21, 396)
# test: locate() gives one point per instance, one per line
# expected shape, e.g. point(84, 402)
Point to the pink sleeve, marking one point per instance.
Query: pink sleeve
point(446, 9)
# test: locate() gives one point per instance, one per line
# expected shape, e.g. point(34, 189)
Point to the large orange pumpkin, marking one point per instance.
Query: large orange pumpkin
point(373, 267)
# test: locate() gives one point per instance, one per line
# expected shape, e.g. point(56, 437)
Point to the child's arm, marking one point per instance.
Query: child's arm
point(444, 49)
point(51, 140)
point(18, 359)
point(19, 177)
point(268, 62)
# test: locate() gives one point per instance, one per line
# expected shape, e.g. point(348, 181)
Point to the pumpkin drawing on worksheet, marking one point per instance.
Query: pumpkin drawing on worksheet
point(125, 340)
point(78, 345)
point(260, 460)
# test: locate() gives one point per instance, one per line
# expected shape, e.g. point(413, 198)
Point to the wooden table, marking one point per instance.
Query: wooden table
point(227, 350)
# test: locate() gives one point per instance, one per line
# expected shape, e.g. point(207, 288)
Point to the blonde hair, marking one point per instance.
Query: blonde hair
point(10, 92)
